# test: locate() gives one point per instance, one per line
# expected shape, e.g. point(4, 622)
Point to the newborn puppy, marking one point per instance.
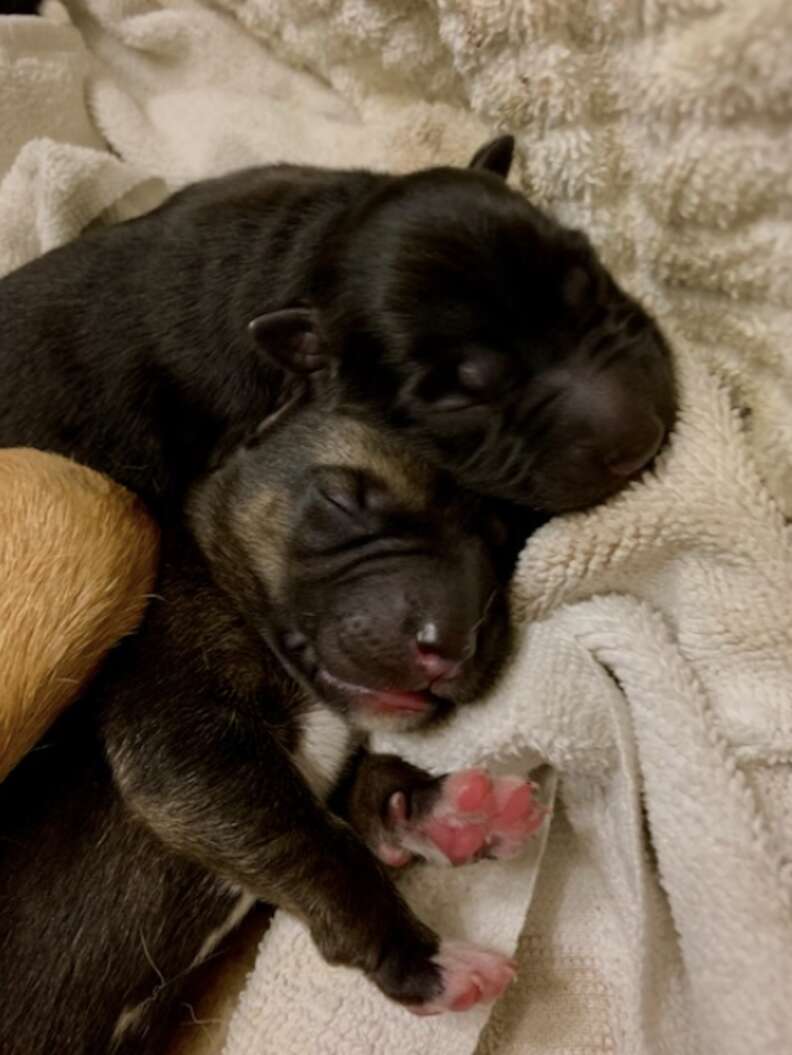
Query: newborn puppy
point(327, 582)
point(494, 337)
point(440, 302)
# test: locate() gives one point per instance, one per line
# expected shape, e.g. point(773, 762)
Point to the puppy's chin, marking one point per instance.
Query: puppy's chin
point(393, 722)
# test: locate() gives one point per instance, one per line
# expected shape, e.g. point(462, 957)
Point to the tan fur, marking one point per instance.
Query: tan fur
point(355, 445)
point(262, 521)
point(262, 525)
point(77, 562)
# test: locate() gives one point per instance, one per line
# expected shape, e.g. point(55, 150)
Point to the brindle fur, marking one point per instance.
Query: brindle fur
point(174, 787)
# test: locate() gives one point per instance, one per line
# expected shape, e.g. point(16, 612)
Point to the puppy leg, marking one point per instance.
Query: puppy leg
point(403, 812)
point(234, 801)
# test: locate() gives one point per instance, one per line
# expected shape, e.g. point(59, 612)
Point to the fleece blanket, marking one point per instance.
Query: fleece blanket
point(654, 662)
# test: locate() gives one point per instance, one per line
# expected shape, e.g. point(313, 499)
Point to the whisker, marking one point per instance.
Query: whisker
point(471, 648)
point(203, 1022)
point(157, 971)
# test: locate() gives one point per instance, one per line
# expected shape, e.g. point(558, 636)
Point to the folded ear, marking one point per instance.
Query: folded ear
point(495, 156)
point(290, 339)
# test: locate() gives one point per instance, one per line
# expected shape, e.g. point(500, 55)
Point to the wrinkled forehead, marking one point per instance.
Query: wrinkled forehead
point(252, 505)
point(283, 463)
point(348, 443)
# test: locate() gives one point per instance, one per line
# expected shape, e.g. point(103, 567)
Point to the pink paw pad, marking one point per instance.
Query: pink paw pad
point(469, 790)
point(475, 815)
point(469, 976)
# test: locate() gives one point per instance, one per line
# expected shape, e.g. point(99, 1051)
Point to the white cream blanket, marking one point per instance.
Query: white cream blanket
point(655, 664)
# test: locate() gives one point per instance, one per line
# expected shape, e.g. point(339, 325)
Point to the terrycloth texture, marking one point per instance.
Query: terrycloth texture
point(77, 563)
point(654, 665)
point(56, 174)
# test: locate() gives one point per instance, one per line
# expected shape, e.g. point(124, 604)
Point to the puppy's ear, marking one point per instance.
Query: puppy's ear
point(290, 339)
point(495, 156)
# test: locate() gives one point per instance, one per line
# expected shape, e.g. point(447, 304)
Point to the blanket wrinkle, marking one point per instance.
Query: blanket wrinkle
point(653, 666)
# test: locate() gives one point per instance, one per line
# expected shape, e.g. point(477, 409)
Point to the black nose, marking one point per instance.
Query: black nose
point(618, 417)
point(439, 655)
point(636, 450)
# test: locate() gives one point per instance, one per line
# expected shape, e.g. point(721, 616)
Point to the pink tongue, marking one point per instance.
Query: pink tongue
point(399, 701)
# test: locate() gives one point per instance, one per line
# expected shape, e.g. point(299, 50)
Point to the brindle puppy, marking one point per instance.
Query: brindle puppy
point(440, 302)
point(326, 582)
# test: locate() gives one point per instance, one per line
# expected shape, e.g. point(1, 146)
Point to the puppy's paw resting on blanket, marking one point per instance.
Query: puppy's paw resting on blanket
point(470, 975)
point(453, 978)
point(460, 818)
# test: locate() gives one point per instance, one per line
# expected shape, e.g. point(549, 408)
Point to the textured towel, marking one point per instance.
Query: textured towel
point(654, 667)
point(56, 175)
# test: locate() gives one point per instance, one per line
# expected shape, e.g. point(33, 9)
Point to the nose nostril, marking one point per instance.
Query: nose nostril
point(435, 666)
point(440, 654)
point(631, 459)
point(429, 659)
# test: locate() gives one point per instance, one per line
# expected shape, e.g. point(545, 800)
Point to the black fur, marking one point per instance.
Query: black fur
point(440, 302)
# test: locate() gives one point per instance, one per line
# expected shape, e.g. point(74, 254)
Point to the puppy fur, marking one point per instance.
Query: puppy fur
point(191, 777)
point(77, 564)
point(441, 303)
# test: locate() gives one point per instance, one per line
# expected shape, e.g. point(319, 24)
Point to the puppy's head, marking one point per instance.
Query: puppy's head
point(452, 309)
point(372, 578)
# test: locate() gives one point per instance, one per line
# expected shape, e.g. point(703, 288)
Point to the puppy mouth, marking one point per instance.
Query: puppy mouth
point(382, 701)
point(431, 700)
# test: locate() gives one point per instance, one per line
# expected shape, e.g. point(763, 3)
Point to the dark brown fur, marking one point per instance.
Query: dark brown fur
point(178, 779)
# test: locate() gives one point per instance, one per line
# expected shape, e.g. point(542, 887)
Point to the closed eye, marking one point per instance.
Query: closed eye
point(455, 402)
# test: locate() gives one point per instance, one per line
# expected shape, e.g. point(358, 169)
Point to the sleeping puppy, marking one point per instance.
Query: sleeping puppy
point(440, 302)
point(327, 583)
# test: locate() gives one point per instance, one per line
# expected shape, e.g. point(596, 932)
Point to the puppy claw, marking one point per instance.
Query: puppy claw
point(397, 808)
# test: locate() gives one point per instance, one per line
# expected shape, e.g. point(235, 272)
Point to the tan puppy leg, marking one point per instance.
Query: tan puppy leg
point(78, 557)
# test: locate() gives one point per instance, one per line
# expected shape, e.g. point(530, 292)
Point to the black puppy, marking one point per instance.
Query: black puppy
point(192, 777)
point(439, 302)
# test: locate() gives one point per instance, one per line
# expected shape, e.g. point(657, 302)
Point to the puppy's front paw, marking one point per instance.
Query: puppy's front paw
point(468, 976)
point(471, 815)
